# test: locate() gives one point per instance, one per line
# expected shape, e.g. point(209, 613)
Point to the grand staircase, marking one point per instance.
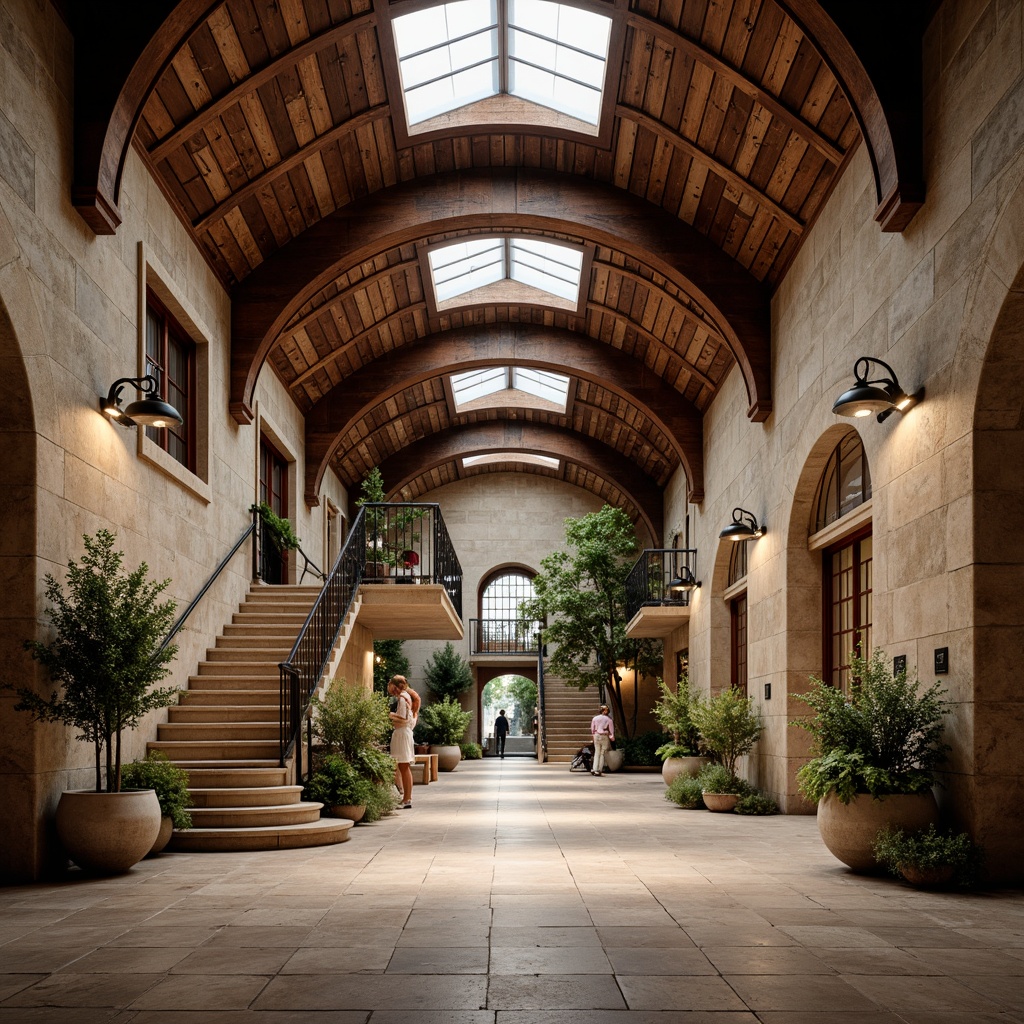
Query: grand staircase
point(567, 715)
point(225, 733)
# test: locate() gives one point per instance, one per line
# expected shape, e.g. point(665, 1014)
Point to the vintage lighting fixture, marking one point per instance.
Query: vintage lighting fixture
point(743, 526)
point(882, 395)
point(683, 581)
point(145, 412)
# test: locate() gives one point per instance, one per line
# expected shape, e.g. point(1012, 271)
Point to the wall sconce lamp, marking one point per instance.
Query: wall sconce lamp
point(683, 581)
point(146, 412)
point(743, 527)
point(883, 395)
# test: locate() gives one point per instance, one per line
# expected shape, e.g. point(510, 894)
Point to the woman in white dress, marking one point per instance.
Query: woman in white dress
point(403, 718)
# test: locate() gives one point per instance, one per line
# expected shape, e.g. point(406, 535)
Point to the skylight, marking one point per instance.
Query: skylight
point(527, 457)
point(454, 54)
point(474, 385)
point(463, 267)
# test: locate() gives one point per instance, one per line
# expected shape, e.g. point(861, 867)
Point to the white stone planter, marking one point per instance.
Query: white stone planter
point(448, 757)
point(108, 832)
point(673, 767)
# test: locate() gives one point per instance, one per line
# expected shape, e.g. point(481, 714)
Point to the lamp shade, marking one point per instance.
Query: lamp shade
point(744, 526)
point(862, 399)
point(153, 412)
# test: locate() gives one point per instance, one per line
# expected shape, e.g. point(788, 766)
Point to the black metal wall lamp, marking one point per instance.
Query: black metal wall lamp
point(145, 412)
point(683, 581)
point(744, 526)
point(882, 395)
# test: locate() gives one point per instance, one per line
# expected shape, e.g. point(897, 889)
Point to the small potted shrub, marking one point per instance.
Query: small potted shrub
point(340, 787)
point(673, 712)
point(685, 791)
point(729, 727)
point(170, 783)
point(928, 858)
point(445, 723)
point(875, 750)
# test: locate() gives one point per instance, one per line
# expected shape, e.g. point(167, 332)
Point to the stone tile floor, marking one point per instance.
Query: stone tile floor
point(514, 893)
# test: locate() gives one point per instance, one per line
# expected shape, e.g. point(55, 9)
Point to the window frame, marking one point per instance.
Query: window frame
point(838, 675)
point(172, 332)
point(739, 624)
point(497, 114)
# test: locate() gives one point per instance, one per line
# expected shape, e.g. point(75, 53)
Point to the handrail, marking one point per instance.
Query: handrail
point(247, 533)
point(505, 636)
point(410, 538)
point(652, 578)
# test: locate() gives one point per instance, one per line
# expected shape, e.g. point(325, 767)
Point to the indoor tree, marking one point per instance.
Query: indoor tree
point(388, 660)
point(447, 673)
point(582, 594)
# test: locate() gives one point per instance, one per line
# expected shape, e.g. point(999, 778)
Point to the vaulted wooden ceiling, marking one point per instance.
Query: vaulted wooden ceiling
point(274, 129)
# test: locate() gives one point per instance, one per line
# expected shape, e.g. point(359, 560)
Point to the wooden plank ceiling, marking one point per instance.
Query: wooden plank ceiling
point(275, 114)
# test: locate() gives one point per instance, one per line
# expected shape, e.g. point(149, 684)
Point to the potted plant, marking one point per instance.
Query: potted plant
point(673, 712)
point(875, 750)
point(279, 530)
point(928, 858)
point(170, 783)
point(348, 719)
point(721, 788)
point(444, 722)
point(388, 531)
point(105, 655)
point(685, 791)
point(339, 786)
point(729, 727)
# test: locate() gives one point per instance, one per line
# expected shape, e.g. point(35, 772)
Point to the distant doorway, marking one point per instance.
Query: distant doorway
point(517, 697)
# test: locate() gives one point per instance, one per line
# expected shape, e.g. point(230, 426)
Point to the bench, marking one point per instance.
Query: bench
point(426, 765)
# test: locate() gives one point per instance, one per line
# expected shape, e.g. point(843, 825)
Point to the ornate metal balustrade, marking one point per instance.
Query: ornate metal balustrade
point(660, 577)
point(505, 636)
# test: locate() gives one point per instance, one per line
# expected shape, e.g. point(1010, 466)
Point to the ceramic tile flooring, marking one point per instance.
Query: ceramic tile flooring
point(514, 893)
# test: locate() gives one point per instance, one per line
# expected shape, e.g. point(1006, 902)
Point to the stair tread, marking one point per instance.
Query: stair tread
point(321, 825)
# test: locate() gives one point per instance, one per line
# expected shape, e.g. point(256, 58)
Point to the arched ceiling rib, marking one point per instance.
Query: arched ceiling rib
point(500, 200)
point(331, 420)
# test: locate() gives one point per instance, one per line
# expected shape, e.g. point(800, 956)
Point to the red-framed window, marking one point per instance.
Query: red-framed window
point(847, 575)
point(171, 359)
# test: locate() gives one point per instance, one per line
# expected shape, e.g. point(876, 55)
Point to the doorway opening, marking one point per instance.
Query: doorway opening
point(517, 697)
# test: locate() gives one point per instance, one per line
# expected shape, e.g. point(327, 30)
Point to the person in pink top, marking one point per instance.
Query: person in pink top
point(602, 728)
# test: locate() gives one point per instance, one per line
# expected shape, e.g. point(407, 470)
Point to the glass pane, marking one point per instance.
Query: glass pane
point(467, 387)
point(550, 386)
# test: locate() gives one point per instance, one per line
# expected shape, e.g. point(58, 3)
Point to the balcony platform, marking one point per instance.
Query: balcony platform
point(654, 620)
point(413, 611)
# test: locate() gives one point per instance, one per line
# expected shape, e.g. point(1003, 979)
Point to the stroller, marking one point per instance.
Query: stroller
point(583, 759)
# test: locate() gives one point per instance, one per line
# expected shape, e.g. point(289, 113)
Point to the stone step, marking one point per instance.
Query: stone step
point(256, 669)
point(255, 816)
point(206, 732)
point(279, 594)
point(218, 681)
point(218, 750)
point(324, 832)
point(244, 796)
point(256, 641)
point(246, 655)
point(229, 697)
point(250, 774)
point(225, 713)
point(271, 618)
point(237, 631)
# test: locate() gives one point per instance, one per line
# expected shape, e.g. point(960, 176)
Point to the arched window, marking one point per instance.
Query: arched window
point(501, 629)
point(845, 484)
point(847, 562)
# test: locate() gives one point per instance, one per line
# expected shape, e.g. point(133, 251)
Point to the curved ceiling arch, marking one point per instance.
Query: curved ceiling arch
point(500, 199)
point(331, 419)
point(637, 491)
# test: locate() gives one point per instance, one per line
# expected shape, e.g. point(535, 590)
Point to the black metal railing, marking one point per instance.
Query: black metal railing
point(660, 576)
point(269, 561)
point(176, 628)
point(505, 636)
point(406, 543)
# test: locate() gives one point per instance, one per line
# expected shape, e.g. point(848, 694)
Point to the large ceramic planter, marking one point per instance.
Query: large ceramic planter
point(613, 760)
point(849, 830)
point(354, 812)
point(673, 767)
point(448, 757)
point(108, 832)
point(721, 801)
point(163, 837)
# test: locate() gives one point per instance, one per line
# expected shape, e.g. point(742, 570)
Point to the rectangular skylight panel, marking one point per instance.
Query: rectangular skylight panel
point(554, 268)
point(526, 457)
point(576, 100)
point(474, 384)
point(461, 267)
point(552, 387)
point(585, 30)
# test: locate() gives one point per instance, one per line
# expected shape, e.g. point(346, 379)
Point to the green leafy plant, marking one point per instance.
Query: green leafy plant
point(685, 791)
point(674, 713)
point(756, 803)
point(729, 727)
point(388, 660)
point(447, 673)
point(716, 778)
point(280, 531)
point(882, 737)
point(375, 764)
point(667, 750)
point(348, 719)
point(444, 722)
point(106, 653)
point(642, 751)
point(471, 751)
point(382, 801)
point(927, 850)
point(388, 534)
point(335, 781)
point(169, 781)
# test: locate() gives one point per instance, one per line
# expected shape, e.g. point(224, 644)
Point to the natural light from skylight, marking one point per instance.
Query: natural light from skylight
point(454, 54)
point(473, 385)
point(465, 266)
point(527, 457)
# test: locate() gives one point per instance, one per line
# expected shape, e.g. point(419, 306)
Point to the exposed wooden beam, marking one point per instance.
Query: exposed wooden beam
point(737, 78)
point(249, 84)
point(737, 181)
point(253, 185)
